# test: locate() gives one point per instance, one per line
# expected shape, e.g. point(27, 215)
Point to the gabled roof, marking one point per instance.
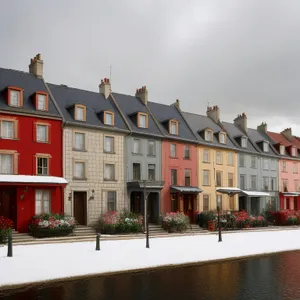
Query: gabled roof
point(164, 112)
point(94, 103)
point(198, 123)
point(131, 105)
point(30, 85)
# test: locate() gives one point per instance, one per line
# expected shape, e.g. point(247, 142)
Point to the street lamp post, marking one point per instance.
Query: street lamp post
point(219, 223)
point(146, 215)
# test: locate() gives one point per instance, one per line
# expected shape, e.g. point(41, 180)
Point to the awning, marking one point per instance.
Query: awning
point(229, 190)
point(186, 189)
point(28, 179)
point(140, 184)
point(255, 194)
point(291, 194)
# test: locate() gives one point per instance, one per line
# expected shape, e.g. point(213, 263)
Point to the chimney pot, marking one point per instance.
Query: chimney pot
point(142, 93)
point(213, 112)
point(241, 121)
point(105, 87)
point(36, 66)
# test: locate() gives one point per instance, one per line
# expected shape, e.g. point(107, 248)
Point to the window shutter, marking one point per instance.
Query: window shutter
point(16, 129)
point(34, 131)
point(49, 133)
point(15, 163)
point(34, 165)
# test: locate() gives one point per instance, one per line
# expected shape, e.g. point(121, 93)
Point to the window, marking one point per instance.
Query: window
point(297, 186)
point(273, 164)
point(79, 141)
point(42, 133)
point(136, 168)
point(219, 201)
point(265, 146)
point(151, 148)
point(205, 202)
point(151, 172)
point(285, 185)
point(173, 150)
point(187, 152)
point(42, 166)
point(222, 138)
point(187, 177)
point(242, 160)
point(219, 159)
point(109, 118)
point(79, 170)
point(265, 183)
point(230, 158)
point(253, 162)
point(136, 146)
point(109, 172)
point(42, 202)
point(173, 177)
point(208, 135)
point(142, 120)
point(206, 179)
point(295, 168)
point(205, 155)
point(253, 182)
point(7, 129)
point(42, 101)
point(273, 184)
point(109, 144)
point(282, 149)
point(230, 179)
point(243, 182)
point(6, 164)
point(284, 166)
point(173, 127)
point(294, 151)
point(15, 97)
point(111, 201)
point(174, 206)
point(218, 178)
point(266, 164)
point(80, 112)
point(244, 142)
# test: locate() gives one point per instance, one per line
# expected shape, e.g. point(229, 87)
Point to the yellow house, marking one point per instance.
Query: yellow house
point(217, 161)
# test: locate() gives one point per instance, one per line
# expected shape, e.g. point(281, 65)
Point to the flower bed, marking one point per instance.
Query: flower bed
point(286, 217)
point(6, 226)
point(51, 225)
point(175, 222)
point(114, 222)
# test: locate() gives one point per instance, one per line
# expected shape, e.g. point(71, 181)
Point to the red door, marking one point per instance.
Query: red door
point(8, 207)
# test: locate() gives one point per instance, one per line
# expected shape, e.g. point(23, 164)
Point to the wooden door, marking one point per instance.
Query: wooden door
point(8, 207)
point(80, 208)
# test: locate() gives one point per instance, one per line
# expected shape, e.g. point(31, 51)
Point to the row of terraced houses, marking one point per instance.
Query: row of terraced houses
point(84, 153)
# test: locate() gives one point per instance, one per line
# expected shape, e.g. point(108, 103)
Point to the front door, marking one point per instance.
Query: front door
point(8, 207)
point(188, 207)
point(80, 208)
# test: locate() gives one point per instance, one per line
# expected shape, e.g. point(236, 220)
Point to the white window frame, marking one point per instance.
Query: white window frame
point(154, 148)
point(41, 102)
point(42, 199)
point(294, 152)
point(83, 170)
point(82, 147)
point(229, 158)
point(295, 168)
point(38, 136)
point(266, 164)
point(5, 130)
point(138, 143)
point(6, 168)
point(244, 142)
point(111, 148)
point(219, 157)
point(114, 201)
point(206, 175)
point(17, 92)
point(206, 152)
point(265, 146)
point(222, 138)
point(208, 135)
point(113, 177)
point(173, 148)
point(45, 170)
point(282, 149)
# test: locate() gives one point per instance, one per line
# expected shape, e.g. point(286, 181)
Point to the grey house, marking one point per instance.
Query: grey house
point(257, 167)
point(142, 154)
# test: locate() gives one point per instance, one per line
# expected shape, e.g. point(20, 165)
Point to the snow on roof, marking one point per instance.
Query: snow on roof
point(256, 194)
point(32, 179)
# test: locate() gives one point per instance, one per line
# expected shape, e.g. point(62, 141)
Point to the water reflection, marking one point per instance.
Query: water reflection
point(274, 277)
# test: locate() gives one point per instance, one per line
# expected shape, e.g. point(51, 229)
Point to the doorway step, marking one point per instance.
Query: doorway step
point(194, 228)
point(156, 229)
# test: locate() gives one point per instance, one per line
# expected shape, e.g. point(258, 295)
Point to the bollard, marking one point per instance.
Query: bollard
point(98, 241)
point(9, 246)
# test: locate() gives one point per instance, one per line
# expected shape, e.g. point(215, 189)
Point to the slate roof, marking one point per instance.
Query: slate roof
point(94, 102)
point(199, 123)
point(130, 105)
point(31, 84)
point(163, 113)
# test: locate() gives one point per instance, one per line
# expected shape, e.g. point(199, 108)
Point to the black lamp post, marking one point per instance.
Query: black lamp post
point(219, 223)
point(146, 215)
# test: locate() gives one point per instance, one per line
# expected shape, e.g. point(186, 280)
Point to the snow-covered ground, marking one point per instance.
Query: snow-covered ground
point(52, 261)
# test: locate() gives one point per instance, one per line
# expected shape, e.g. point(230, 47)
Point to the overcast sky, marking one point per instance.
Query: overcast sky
point(243, 55)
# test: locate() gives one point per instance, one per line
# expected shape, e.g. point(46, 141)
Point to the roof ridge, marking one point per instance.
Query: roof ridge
point(14, 70)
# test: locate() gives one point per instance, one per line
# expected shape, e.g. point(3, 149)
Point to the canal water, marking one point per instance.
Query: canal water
point(275, 277)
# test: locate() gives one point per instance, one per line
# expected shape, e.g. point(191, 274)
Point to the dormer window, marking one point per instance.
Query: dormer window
point(80, 112)
point(294, 151)
point(208, 135)
point(41, 101)
point(109, 118)
point(265, 146)
point(244, 142)
point(142, 120)
point(282, 149)
point(173, 127)
point(15, 96)
point(222, 138)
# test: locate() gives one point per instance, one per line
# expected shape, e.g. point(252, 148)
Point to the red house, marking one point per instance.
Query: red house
point(31, 167)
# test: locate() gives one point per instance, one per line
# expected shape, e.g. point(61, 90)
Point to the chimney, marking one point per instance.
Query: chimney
point(287, 133)
point(213, 113)
point(241, 121)
point(142, 93)
point(263, 127)
point(177, 104)
point(36, 66)
point(105, 87)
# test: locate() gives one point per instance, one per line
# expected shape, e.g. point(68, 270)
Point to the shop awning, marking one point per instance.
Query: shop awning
point(255, 194)
point(186, 189)
point(140, 184)
point(229, 190)
point(27, 179)
point(291, 194)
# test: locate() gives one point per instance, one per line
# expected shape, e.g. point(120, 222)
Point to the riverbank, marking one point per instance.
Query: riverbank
point(37, 263)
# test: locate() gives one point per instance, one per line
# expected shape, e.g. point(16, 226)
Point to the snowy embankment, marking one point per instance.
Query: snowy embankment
point(53, 261)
